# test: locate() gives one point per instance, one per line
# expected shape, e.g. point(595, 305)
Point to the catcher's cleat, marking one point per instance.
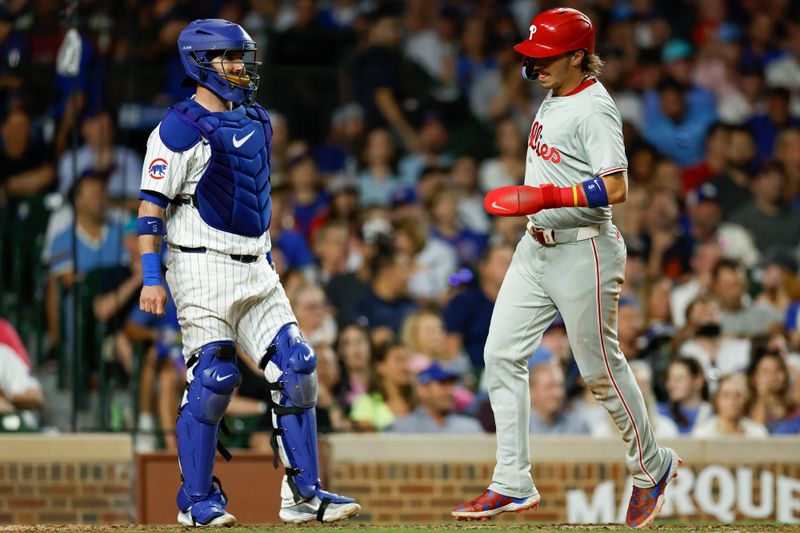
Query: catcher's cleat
point(490, 503)
point(646, 503)
point(324, 507)
point(225, 519)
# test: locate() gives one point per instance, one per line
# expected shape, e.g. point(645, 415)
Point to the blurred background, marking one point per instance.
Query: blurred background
point(391, 120)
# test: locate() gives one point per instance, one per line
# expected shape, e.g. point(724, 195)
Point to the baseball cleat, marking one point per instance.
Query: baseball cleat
point(331, 508)
point(490, 503)
point(226, 519)
point(646, 503)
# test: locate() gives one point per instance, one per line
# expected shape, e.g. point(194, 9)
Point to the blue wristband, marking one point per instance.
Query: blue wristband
point(151, 269)
point(595, 191)
point(150, 226)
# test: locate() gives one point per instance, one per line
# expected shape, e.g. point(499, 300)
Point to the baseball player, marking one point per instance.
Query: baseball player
point(571, 261)
point(206, 191)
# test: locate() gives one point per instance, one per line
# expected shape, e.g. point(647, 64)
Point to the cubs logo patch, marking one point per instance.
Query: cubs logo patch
point(158, 168)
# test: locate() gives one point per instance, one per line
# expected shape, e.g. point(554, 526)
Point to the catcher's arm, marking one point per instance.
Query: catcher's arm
point(526, 200)
point(151, 230)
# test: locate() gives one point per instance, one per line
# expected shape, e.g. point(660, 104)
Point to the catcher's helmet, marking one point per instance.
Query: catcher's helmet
point(204, 39)
point(558, 31)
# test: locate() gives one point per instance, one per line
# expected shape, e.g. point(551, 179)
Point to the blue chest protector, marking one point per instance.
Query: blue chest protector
point(233, 195)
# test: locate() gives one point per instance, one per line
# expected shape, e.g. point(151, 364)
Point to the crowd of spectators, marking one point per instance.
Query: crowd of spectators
point(378, 231)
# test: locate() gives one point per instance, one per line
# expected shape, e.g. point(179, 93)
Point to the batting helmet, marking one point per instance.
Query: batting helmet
point(203, 40)
point(558, 31)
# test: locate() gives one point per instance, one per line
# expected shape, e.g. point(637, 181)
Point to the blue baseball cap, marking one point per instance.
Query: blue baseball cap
point(705, 192)
point(675, 50)
point(406, 195)
point(435, 372)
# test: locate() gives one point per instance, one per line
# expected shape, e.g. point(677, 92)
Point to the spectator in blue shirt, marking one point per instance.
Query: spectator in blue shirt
point(677, 122)
point(436, 402)
point(766, 126)
point(468, 314)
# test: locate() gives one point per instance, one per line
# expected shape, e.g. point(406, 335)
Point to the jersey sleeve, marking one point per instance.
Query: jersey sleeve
point(601, 133)
point(165, 164)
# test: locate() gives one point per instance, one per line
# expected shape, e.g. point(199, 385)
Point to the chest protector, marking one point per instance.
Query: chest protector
point(233, 195)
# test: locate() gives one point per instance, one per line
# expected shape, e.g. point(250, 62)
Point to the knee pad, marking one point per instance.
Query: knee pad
point(290, 366)
point(213, 376)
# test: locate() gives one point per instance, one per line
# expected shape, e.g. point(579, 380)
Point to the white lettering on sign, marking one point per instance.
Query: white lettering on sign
point(714, 490)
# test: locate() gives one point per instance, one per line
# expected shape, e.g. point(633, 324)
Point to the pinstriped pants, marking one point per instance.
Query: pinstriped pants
point(582, 281)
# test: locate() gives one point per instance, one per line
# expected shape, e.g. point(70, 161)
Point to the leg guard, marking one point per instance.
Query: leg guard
point(290, 366)
point(212, 380)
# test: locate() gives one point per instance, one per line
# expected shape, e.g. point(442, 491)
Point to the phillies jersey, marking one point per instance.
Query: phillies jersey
point(171, 174)
point(574, 138)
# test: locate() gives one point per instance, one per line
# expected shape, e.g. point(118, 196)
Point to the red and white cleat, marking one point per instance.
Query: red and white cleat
point(490, 503)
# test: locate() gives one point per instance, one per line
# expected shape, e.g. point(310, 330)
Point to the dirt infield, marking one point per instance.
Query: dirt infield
point(370, 528)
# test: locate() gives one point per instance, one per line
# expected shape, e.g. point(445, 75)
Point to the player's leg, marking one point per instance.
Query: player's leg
point(211, 378)
point(587, 294)
point(521, 314)
point(269, 335)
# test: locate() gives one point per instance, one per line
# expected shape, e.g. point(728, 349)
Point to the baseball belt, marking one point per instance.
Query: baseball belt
point(551, 237)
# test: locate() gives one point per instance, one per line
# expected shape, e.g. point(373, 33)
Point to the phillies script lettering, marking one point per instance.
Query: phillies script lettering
point(548, 153)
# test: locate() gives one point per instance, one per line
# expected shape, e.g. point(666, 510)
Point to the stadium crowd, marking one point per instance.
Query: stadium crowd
point(378, 230)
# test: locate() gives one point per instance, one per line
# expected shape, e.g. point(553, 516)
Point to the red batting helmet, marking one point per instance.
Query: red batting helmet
point(558, 31)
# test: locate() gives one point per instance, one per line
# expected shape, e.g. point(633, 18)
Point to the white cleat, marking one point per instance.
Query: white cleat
point(225, 520)
point(309, 510)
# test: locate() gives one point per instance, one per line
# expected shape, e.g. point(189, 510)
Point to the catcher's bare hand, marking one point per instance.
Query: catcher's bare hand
point(153, 299)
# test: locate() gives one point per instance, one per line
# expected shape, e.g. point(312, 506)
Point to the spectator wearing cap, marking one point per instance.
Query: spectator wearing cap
point(378, 179)
point(436, 404)
point(19, 389)
point(406, 205)
point(468, 314)
point(707, 226)
point(434, 261)
point(386, 303)
point(508, 167)
point(676, 122)
point(766, 215)
point(739, 315)
point(716, 152)
point(549, 412)
point(122, 165)
point(767, 125)
point(731, 403)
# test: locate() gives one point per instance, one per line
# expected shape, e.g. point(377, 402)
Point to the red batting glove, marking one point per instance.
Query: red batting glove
point(519, 200)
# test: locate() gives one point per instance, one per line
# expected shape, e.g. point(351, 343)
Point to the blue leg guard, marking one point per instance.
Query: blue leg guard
point(214, 377)
point(290, 366)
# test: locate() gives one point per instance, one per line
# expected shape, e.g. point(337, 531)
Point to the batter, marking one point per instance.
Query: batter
point(572, 261)
point(206, 191)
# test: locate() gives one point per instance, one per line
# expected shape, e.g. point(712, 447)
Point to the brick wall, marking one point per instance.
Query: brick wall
point(70, 479)
point(421, 480)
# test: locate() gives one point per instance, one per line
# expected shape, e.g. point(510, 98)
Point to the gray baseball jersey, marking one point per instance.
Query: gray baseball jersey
point(574, 138)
